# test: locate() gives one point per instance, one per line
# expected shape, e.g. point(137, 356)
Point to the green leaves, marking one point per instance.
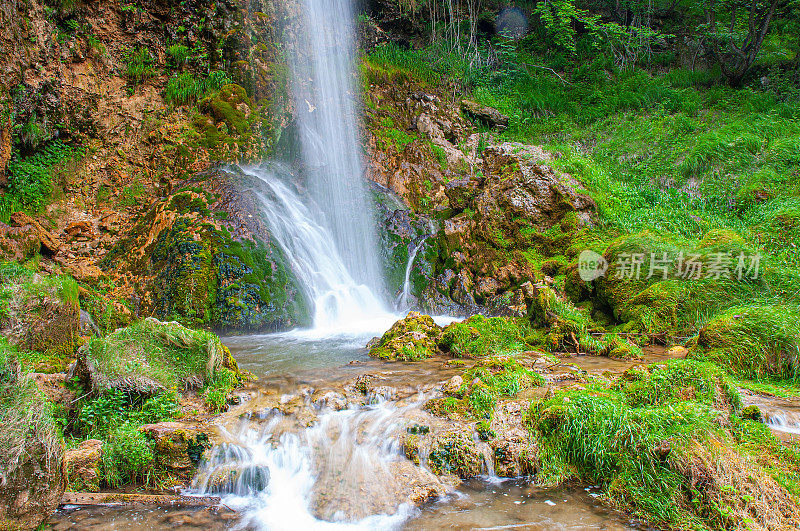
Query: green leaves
point(30, 178)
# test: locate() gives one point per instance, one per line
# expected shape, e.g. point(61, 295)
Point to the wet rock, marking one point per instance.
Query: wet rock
point(333, 400)
point(455, 453)
point(178, 447)
point(31, 454)
point(514, 454)
point(381, 393)
point(237, 478)
point(82, 466)
point(49, 245)
point(460, 192)
point(677, 352)
point(453, 386)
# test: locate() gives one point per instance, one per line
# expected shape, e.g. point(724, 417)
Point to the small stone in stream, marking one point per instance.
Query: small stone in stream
point(453, 385)
point(418, 429)
point(677, 352)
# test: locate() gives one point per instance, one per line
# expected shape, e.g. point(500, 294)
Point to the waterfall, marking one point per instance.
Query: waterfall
point(403, 302)
point(341, 303)
point(323, 69)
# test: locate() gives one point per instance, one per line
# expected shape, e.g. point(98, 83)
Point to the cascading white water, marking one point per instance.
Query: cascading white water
point(339, 473)
point(323, 68)
point(406, 293)
point(341, 304)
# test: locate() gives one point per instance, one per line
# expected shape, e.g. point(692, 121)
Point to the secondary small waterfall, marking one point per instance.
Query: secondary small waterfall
point(323, 70)
point(406, 293)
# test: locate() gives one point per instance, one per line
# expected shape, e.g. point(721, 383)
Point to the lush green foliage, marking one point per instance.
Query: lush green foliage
point(113, 408)
point(480, 336)
point(30, 178)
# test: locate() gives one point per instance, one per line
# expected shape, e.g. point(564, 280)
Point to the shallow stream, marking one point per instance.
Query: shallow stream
point(346, 470)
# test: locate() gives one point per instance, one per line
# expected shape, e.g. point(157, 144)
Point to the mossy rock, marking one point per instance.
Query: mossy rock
point(455, 453)
point(150, 357)
point(228, 124)
point(207, 279)
point(41, 315)
point(753, 341)
point(616, 289)
point(409, 339)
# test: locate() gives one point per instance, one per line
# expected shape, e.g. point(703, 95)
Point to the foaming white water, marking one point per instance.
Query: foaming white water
point(342, 305)
point(337, 474)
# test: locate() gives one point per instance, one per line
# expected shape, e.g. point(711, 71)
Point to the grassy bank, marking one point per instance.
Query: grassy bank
point(675, 160)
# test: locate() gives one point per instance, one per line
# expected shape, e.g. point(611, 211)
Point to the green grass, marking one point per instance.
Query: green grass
point(480, 336)
point(165, 353)
point(140, 65)
point(646, 440)
point(26, 416)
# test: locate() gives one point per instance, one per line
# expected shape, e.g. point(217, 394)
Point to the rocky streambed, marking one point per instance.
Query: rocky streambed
point(354, 441)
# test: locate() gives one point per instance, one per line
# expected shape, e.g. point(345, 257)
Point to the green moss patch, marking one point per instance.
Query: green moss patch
point(150, 357)
point(754, 341)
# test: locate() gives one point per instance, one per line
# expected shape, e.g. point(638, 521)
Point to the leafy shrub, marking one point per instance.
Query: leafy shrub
point(30, 179)
point(128, 457)
point(114, 408)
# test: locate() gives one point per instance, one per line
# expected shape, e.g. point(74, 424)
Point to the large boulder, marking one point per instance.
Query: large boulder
point(150, 357)
point(31, 450)
point(206, 257)
point(409, 339)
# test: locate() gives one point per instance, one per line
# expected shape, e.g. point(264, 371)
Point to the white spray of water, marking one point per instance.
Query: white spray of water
point(342, 305)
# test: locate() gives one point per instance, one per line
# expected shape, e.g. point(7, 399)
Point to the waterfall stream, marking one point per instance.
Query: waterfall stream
point(323, 71)
point(339, 473)
point(342, 305)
